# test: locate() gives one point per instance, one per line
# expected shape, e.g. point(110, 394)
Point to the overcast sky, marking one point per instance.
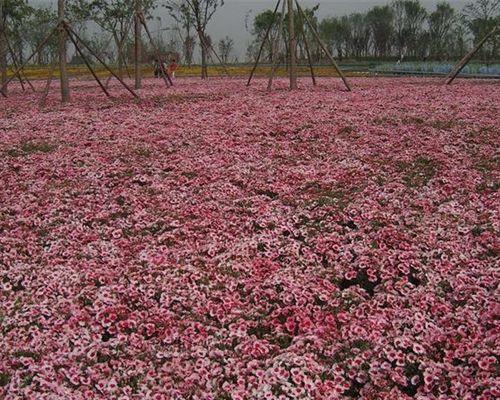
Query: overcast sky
point(230, 19)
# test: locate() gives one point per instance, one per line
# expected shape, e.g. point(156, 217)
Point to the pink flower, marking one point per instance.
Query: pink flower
point(290, 324)
point(418, 348)
point(216, 240)
point(485, 362)
point(117, 233)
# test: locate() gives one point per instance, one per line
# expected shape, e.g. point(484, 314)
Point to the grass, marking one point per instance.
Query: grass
point(28, 147)
point(4, 379)
point(143, 152)
point(419, 172)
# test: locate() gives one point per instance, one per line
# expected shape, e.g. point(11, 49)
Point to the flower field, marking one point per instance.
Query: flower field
point(218, 242)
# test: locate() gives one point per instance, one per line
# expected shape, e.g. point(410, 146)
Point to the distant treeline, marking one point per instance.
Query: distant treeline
point(402, 29)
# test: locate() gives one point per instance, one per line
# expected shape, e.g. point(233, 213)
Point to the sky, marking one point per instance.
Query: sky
point(230, 19)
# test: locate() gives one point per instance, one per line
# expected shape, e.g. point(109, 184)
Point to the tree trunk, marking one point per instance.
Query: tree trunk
point(65, 96)
point(137, 47)
point(3, 51)
point(292, 46)
point(188, 50)
point(204, 68)
point(20, 50)
point(119, 55)
point(203, 44)
point(40, 59)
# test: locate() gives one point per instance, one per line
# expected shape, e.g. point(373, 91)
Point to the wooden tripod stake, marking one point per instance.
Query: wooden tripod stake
point(77, 41)
point(279, 35)
point(47, 84)
point(16, 64)
point(211, 49)
point(291, 45)
point(137, 45)
point(464, 61)
point(164, 75)
point(268, 30)
point(63, 73)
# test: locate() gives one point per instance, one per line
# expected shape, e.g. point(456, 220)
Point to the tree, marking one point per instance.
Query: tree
point(409, 17)
point(441, 33)
point(302, 26)
point(481, 17)
point(41, 21)
point(13, 16)
point(261, 24)
point(269, 20)
point(336, 34)
point(63, 75)
point(226, 47)
point(3, 49)
point(112, 16)
point(201, 12)
point(380, 20)
point(181, 13)
point(99, 45)
point(359, 38)
point(459, 42)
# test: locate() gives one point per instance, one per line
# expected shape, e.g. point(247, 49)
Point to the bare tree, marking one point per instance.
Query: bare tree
point(201, 12)
point(226, 47)
point(482, 9)
point(481, 17)
point(182, 15)
point(39, 23)
point(113, 16)
point(13, 16)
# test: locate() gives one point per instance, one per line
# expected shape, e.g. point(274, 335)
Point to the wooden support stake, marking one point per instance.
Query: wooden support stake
point(19, 78)
point(120, 44)
point(14, 59)
point(63, 73)
point(210, 47)
point(323, 47)
point(37, 50)
point(464, 61)
point(292, 46)
point(47, 85)
point(80, 40)
point(268, 30)
point(306, 45)
point(279, 36)
point(86, 62)
point(165, 75)
point(211, 58)
point(137, 45)
point(122, 60)
point(120, 41)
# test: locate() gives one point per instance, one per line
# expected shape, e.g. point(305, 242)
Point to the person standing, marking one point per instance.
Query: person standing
point(156, 68)
point(172, 68)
